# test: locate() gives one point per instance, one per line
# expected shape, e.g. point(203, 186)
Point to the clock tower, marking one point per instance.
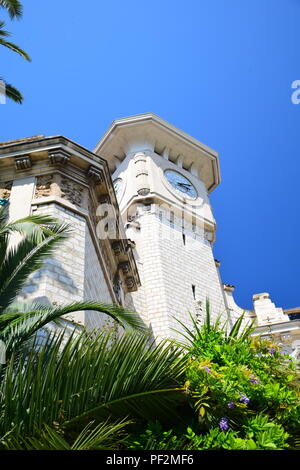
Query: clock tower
point(162, 178)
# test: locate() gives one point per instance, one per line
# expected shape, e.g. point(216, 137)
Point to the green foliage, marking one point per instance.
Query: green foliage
point(267, 434)
point(71, 382)
point(259, 434)
point(238, 377)
point(154, 437)
point(58, 390)
point(244, 392)
point(104, 436)
point(247, 380)
point(15, 10)
point(13, 7)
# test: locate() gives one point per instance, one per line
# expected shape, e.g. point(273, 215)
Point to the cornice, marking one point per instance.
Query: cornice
point(149, 132)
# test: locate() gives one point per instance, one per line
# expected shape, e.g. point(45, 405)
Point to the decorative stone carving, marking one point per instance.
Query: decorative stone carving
point(117, 288)
point(72, 191)
point(43, 186)
point(23, 162)
point(5, 189)
point(95, 174)
point(104, 199)
point(130, 244)
point(131, 218)
point(125, 267)
point(59, 157)
point(130, 283)
point(208, 236)
point(56, 185)
point(228, 287)
point(141, 174)
point(117, 246)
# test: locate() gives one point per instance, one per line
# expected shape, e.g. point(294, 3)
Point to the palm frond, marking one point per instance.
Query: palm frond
point(22, 260)
point(3, 32)
point(13, 7)
point(12, 93)
point(16, 328)
point(36, 227)
point(87, 377)
point(105, 436)
point(187, 333)
point(13, 47)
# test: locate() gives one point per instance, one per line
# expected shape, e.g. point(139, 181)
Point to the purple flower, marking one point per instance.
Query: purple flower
point(223, 424)
point(259, 354)
point(244, 399)
point(253, 379)
point(207, 369)
point(272, 351)
point(231, 405)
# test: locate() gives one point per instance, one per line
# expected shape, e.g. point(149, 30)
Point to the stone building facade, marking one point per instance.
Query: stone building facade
point(143, 227)
point(57, 177)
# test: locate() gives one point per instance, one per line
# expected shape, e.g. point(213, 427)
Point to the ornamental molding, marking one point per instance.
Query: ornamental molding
point(59, 157)
point(23, 162)
point(228, 287)
point(104, 199)
point(125, 267)
point(95, 174)
point(130, 284)
point(117, 247)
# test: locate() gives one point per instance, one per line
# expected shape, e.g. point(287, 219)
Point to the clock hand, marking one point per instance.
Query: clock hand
point(184, 184)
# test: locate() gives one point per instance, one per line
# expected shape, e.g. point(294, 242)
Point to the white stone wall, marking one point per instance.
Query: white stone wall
point(95, 287)
point(73, 273)
point(168, 269)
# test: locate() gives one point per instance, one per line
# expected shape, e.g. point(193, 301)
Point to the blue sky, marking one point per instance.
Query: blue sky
point(221, 70)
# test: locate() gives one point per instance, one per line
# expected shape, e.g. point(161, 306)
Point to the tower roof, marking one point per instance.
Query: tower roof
point(150, 132)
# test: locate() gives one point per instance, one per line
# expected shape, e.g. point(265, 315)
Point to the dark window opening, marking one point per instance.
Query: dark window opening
point(194, 291)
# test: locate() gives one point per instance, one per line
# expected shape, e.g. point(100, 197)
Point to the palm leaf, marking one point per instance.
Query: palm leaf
point(17, 327)
point(12, 93)
point(33, 226)
point(87, 377)
point(13, 47)
point(3, 32)
point(13, 7)
point(22, 260)
point(104, 436)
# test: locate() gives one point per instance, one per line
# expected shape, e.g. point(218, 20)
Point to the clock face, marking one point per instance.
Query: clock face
point(118, 184)
point(181, 184)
